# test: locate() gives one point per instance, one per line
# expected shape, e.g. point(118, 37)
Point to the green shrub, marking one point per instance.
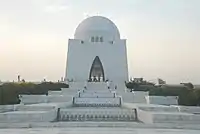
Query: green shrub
point(9, 91)
point(187, 94)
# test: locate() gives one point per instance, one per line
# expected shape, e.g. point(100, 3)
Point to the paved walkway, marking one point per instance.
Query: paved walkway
point(96, 131)
point(113, 125)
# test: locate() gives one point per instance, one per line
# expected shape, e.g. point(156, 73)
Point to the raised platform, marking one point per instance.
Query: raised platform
point(150, 114)
point(176, 117)
point(96, 102)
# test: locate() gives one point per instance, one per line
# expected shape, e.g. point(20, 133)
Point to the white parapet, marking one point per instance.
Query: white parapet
point(97, 101)
point(162, 100)
point(42, 106)
point(158, 108)
point(69, 91)
point(95, 95)
point(167, 117)
point(144, 116)
point(37, 107)
point(97, 86)
point(7, 108)
point(59, 98)
point(54, 92)
point(76, 85)
point(97, 114)
point(134, 97)
point(28, 116)
point(151, 113)
point(35, 99)
point(177, 117)
point(140, 96)
point(189, 109)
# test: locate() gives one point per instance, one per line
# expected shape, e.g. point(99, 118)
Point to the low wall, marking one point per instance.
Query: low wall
point(35, 107)
point(180, 118)
point(163, 100)
point(7, 108)
point(54, 92)
point(76, 85)
point(141, 115)
point(159, 108)
point(69, 91)
point(35, 99)
point(97, 85)
point(95, 95)
point(28, 116)
point(59, 98)
point(144, 116)
point(134, 97)
point(97, 101)
point(190, 109)
point(99, 114)
point(140, 97)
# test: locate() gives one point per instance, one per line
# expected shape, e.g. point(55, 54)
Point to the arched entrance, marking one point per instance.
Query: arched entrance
point(96, 71)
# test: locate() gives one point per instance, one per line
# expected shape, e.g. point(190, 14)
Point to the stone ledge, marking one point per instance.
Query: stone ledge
point(99, 124)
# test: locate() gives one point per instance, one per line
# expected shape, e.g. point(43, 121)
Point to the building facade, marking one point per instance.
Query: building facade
point(97, 51)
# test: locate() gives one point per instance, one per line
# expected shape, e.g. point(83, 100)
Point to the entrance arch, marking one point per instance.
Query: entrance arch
point(96, 70)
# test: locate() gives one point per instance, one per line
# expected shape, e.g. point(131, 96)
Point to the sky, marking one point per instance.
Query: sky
point(162, 36)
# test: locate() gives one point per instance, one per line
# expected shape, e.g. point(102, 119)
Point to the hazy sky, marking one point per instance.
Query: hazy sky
point(162, 36)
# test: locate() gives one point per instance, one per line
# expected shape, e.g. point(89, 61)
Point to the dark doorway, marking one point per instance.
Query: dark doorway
point(96, 70)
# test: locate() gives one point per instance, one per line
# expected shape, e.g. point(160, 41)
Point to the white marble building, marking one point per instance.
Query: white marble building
point(97, 51)
point(94, 102)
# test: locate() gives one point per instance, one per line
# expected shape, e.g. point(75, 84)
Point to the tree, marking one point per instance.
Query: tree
point(189, 85)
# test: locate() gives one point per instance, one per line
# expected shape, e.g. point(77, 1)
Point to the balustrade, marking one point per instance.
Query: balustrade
point(98, 116)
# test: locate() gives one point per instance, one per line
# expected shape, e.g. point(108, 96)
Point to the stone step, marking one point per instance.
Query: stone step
point(97, 118)
point(96, 105)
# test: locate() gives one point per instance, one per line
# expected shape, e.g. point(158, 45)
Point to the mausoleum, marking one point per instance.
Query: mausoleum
point(96, 71)
point(97, 53)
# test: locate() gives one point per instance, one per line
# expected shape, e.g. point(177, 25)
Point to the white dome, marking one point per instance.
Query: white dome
point(97, 26)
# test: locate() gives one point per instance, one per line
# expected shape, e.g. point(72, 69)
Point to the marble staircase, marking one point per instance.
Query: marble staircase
point(97, 102)
point(96, 94)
